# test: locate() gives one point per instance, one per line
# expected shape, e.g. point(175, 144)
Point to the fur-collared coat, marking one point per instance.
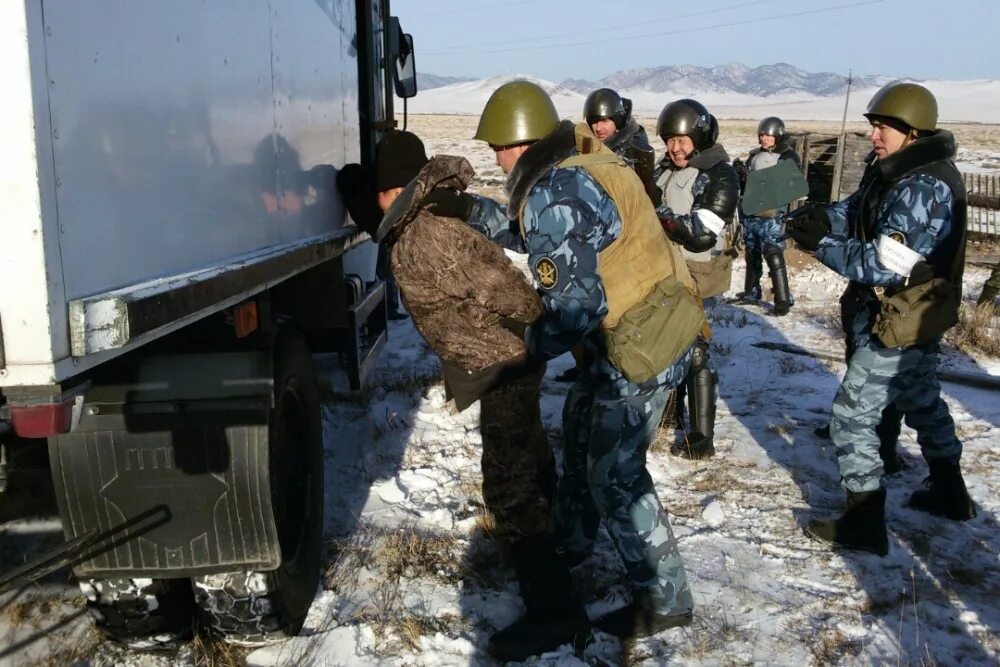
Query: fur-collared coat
point(465, 296)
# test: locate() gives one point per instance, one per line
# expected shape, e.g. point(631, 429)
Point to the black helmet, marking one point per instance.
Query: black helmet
point(772, 126)
point(605, 103)
point(688, 118)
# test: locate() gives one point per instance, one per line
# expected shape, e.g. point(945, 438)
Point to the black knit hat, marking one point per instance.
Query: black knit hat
point(400, 157)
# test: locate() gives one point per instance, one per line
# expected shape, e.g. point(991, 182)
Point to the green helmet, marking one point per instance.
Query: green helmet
point(907, 102)
point(516, 113)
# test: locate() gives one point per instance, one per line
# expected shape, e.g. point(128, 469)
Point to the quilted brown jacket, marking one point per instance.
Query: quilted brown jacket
point(458, 286)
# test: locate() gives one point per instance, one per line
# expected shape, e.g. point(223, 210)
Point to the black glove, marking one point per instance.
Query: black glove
point(449, 203)
point(808, 225)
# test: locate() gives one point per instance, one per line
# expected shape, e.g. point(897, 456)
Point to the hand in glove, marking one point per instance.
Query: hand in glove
point(449, 203)
point(808, 225)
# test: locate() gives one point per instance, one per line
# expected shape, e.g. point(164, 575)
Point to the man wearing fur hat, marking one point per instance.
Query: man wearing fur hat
point(605, 271)
point(471, 305)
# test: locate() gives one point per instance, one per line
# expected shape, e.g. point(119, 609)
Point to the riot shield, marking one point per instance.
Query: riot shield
point(773, 188)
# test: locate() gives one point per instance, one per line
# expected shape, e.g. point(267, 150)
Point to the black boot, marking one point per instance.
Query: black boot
point(554, 616)
point(946, 494)
point(700, 442)
point(888, 430)
point(751, 281)
point(861, 526)
point(779, 279)
point(639, 619)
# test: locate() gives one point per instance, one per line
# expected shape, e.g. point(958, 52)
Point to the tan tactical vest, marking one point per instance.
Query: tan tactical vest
point(641, 256)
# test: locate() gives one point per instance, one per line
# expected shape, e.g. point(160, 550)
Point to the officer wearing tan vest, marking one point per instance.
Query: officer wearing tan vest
point(611, 281)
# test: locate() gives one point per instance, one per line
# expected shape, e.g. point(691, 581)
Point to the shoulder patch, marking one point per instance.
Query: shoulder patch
point(898, 237)
point(548, 274)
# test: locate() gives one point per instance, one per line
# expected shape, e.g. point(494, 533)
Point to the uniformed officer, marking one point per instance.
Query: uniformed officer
point(477, 333)
point(901, 234)
point(592, 246)
point(700, 191)
point(609, 116)
point(763, 233)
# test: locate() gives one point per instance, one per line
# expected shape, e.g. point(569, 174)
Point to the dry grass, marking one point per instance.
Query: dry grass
point(978, 330)
point(832, 646)
point(391, 558)
point(215, 652)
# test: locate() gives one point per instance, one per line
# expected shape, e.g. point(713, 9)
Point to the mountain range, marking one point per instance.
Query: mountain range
point(729, 91)
point(762, 81)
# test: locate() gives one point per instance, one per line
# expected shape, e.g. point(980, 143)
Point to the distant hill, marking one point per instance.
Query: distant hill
point(431, 81)
point(762, 81)
point(729, 91)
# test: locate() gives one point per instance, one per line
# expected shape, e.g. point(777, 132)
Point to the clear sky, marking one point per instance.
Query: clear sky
point(587, 39)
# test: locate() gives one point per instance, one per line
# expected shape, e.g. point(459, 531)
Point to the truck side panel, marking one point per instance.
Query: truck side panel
point(183, 135)
point(178, 148)
point(32, 300)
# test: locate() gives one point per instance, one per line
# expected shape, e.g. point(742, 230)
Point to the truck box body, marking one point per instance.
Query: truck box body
point(162, 161)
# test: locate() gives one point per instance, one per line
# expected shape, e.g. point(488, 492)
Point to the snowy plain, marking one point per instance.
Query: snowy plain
point(413, 578)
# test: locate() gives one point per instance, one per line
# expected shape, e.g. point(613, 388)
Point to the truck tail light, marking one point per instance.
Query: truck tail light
point(41, 421)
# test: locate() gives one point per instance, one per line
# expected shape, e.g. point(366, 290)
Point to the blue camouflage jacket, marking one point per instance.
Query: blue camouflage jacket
point(898, 202)
point(901, 221)
point(568, 219)
point(715, 193)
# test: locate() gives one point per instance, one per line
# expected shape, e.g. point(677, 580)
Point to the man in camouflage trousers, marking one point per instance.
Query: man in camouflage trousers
point(564, 219)
point(904, 227)
point(763, 234)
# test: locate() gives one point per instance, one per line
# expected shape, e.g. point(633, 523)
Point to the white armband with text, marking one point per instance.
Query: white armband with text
point(709, 220)
point(895, 256)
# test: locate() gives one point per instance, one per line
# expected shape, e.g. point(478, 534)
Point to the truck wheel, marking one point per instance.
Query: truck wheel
point(141, 613)
point(253, 608)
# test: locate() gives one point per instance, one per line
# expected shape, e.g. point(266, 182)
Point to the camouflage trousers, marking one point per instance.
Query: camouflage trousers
point(876, 378)
point(519, 475)
point(759, 234)
point(607, 427)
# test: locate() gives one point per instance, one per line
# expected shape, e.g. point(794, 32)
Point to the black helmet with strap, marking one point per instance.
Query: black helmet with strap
point(691, 119)
point(772, 126)
point(605, 103)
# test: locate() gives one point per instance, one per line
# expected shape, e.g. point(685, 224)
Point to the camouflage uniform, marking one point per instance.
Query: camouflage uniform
point(763, 234)
point(608, 422)
point(902, 206)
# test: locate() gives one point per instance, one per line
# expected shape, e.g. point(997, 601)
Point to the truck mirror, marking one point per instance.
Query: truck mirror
point(405, 72)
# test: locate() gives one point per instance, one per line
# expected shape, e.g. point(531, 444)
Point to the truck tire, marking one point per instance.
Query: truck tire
point(254, 608)
point(143, 614)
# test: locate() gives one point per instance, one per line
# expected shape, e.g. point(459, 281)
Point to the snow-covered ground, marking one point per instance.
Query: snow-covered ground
point(765, 593)
point(413, 577)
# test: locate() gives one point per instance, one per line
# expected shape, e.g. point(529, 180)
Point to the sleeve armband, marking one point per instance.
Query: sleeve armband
point(709, 220)
point(895, 256)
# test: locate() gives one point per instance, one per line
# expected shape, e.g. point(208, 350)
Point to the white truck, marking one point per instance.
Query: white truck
point(172, 251)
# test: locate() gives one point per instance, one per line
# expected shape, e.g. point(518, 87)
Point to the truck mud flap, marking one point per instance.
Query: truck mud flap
point(368, 334)
point(171, 470)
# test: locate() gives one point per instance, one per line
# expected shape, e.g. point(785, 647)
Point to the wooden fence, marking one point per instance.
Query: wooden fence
point(984, 203)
